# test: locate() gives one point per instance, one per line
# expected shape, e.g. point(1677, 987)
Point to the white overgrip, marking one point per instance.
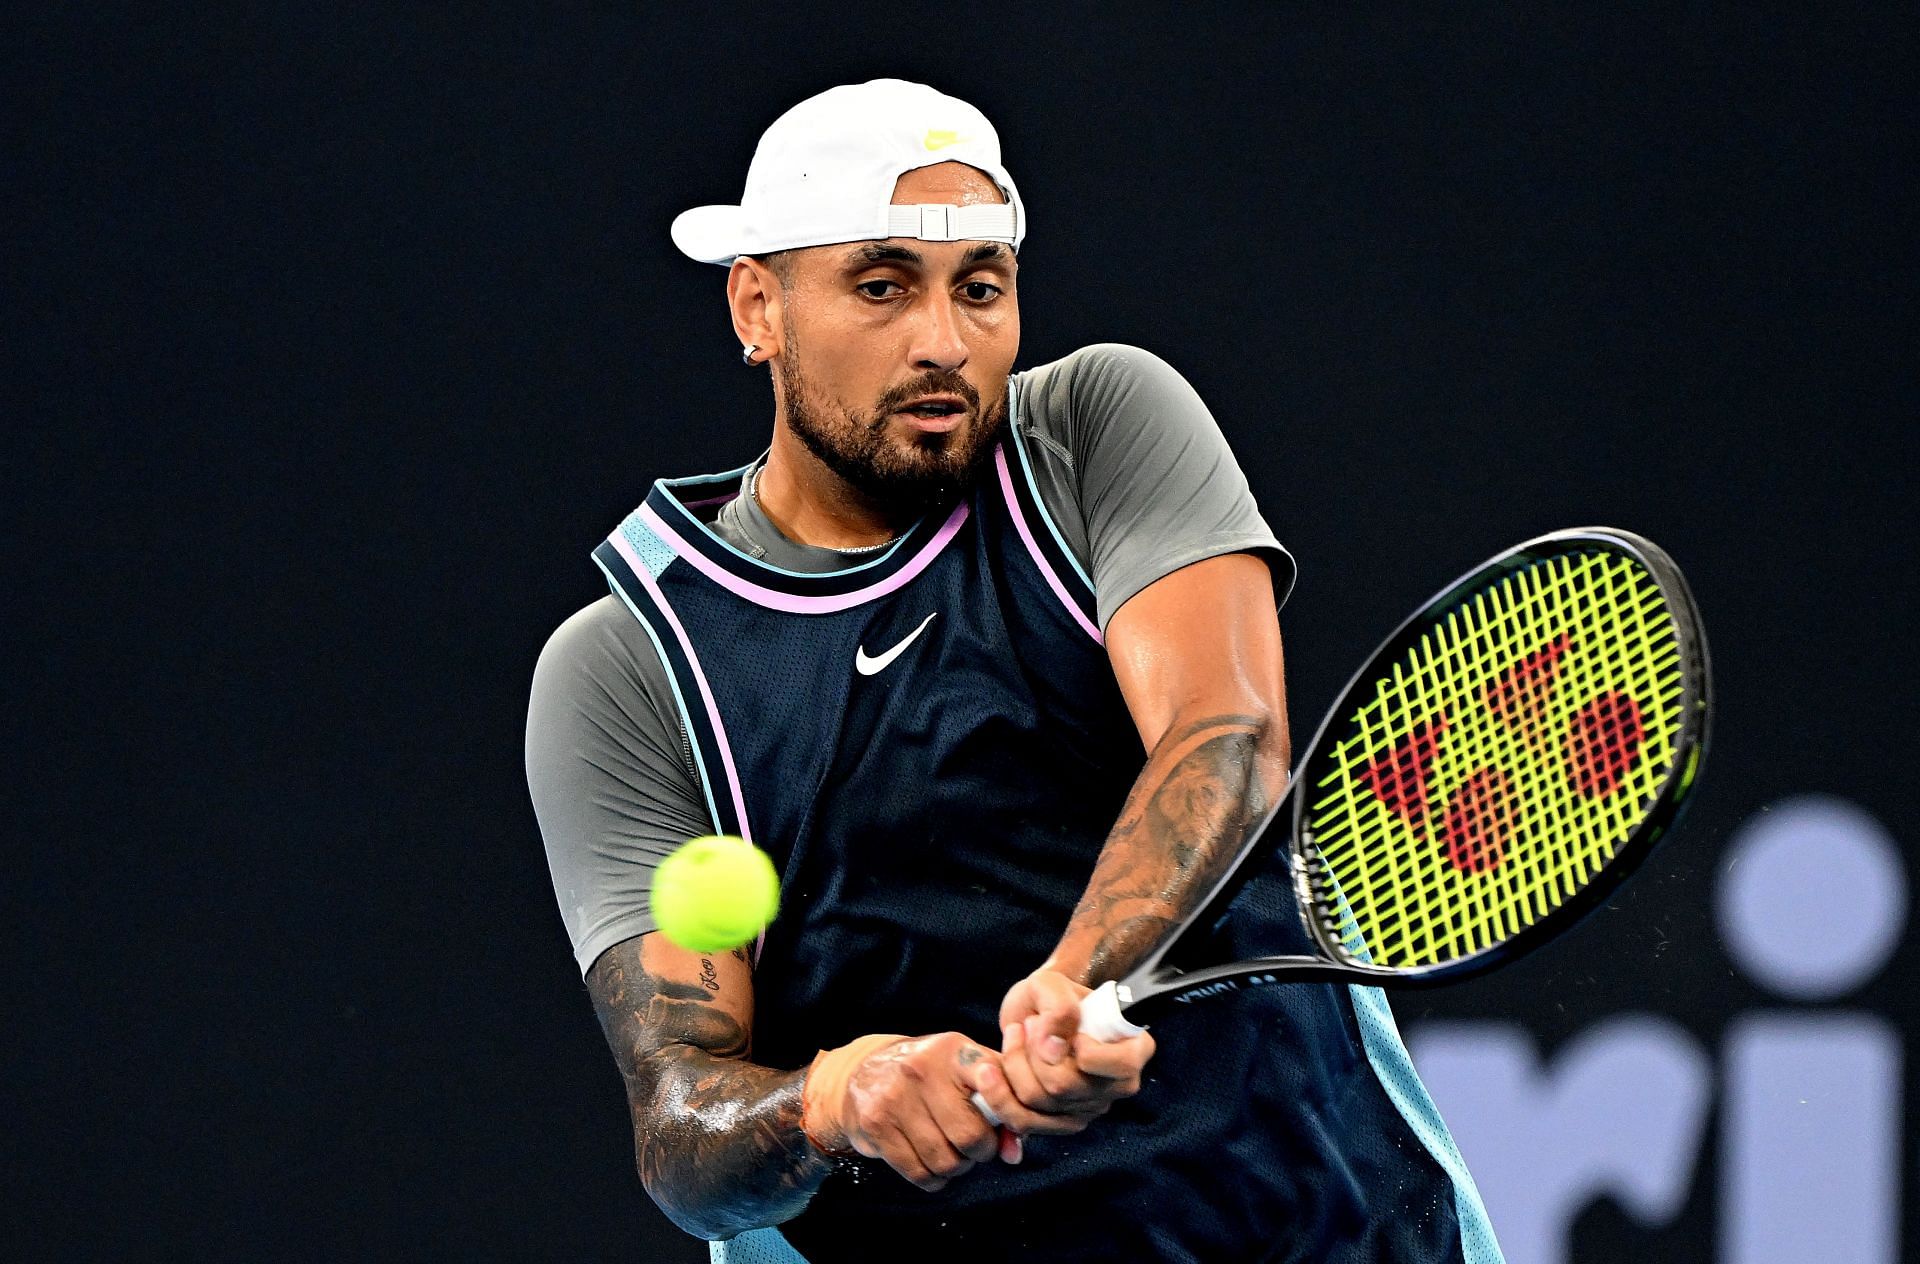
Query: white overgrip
point(1100, 1015)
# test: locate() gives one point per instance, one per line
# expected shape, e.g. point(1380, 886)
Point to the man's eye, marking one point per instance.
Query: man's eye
point(878, 289)
point(980, 291)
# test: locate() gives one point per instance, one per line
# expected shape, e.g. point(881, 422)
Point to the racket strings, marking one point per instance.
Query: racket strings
point(1482, 806)
point(1500, 761)
point(1560, 864)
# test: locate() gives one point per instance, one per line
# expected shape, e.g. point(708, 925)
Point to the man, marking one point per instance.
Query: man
point(917, 652)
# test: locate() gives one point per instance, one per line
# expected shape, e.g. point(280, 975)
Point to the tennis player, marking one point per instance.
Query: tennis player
point(990, 663)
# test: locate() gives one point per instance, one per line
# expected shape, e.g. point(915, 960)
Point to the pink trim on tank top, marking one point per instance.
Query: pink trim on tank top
point(646, 579)
point(1046, 568)
point(774, 599)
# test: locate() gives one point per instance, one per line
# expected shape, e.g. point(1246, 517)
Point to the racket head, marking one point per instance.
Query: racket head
point(1505, 759)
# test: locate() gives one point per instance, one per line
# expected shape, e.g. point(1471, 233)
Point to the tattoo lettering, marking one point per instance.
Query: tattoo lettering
point(717, 1139)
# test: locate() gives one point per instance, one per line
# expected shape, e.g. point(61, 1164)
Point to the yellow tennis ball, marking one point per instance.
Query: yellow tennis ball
point(714, 893)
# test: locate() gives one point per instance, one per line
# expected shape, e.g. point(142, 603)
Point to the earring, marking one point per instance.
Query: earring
point(747, 353)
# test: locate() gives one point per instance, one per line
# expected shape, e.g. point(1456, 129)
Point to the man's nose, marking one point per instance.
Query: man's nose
point(937, 343)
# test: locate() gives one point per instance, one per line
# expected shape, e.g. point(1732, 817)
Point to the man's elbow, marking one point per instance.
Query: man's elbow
point(1272, 747)
point(697, 1198)
point(675, 1204)
point(1276, 739)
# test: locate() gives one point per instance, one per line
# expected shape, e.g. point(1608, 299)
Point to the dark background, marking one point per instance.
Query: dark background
point(336, 342)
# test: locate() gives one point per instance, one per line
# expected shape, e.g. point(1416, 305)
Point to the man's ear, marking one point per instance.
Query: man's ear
point(754, 297)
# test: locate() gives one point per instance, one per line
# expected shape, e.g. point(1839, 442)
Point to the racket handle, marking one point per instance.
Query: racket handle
point(1100, 1017)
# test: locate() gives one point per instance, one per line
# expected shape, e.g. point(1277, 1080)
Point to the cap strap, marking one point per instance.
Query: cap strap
point(953, 223)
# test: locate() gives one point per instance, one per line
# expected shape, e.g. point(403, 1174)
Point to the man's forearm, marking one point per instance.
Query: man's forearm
point(1205, 784)
point(717, 1139)
point(722, 1150)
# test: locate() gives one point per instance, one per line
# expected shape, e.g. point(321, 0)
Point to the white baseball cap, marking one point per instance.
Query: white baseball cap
point(824, 173)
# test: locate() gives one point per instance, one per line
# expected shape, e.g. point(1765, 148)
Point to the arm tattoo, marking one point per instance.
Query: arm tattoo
point(1202, 789)
point(717, 1139)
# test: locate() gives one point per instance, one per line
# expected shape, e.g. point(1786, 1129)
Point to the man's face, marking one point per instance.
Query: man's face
point(895, 354)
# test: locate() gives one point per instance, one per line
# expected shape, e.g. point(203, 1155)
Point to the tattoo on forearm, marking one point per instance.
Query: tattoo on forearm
point(1203, 788)
point(717, 1139)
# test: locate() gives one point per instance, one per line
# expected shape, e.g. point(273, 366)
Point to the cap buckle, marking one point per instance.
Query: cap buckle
point(936, 223)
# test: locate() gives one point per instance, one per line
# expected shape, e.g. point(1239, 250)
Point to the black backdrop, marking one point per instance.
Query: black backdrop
point(335, 343)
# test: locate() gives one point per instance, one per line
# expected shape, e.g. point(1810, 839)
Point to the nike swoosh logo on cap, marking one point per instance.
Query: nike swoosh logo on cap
point(940, 140)
point(868, 666)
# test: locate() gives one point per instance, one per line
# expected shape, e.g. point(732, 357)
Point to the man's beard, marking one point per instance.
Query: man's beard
point(905, 481)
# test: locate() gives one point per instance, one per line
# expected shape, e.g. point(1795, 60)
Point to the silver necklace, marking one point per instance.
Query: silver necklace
point(753, 492)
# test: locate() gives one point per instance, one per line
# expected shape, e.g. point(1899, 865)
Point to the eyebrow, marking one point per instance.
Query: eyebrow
point(876, 252)
point(872, 253)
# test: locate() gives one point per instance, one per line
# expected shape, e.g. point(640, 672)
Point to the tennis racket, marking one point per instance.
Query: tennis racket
point(1503, 762)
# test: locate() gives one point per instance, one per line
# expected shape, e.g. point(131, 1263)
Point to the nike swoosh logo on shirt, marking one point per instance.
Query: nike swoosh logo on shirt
point(867, 666)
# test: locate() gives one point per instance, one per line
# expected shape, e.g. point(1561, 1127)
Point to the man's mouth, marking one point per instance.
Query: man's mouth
point(936, 406)
point(935, 413)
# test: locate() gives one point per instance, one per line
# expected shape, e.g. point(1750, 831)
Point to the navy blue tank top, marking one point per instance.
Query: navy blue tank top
point(932, 747)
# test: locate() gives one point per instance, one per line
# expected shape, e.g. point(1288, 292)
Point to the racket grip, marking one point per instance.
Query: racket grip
point(1100, 1015)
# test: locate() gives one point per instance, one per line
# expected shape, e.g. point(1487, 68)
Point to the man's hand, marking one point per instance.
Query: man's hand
point(1052, 1078)
point(905, 1101)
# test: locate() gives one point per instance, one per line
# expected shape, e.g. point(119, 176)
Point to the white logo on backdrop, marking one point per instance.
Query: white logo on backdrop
point(1812, 900)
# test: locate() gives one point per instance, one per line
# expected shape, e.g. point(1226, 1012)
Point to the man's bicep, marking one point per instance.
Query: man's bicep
point(651, 994)
point(1203, 641)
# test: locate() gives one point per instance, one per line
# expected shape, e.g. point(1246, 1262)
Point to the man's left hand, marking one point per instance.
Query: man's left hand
point(1051, 1066)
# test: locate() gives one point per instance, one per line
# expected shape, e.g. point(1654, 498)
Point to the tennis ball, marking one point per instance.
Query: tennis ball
point(714, 893)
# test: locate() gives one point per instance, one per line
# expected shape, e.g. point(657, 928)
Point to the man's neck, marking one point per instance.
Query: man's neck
point(810, 504)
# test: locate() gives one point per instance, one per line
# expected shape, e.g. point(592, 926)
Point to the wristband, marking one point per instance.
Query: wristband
point(824, 1094)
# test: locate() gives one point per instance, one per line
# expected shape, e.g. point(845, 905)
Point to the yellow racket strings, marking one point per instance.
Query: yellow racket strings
point(1499, 763)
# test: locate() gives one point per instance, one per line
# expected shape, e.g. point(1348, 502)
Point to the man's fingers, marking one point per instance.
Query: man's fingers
point(1093, 1075)
point(898, 1151)
point(1120, 1061)
point(930, 1143)
point(965, 1129)
point(1044, 1086)
point(992, 1084)
point(1055, 1018)
point(1052, 1093)
point(1018, 1070)
point(1065, 1084)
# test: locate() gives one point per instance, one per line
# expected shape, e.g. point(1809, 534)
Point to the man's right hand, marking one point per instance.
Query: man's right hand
point(907, 1101)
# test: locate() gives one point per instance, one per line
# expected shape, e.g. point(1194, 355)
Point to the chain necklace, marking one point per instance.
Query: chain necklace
point(753, 493)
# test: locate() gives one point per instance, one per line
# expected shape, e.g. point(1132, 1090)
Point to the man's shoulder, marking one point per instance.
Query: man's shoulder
point(598, 632)
point(1072, 399)
point(600, 678)
point(598, 655)
point(1094, 365)
point(1106, 397)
